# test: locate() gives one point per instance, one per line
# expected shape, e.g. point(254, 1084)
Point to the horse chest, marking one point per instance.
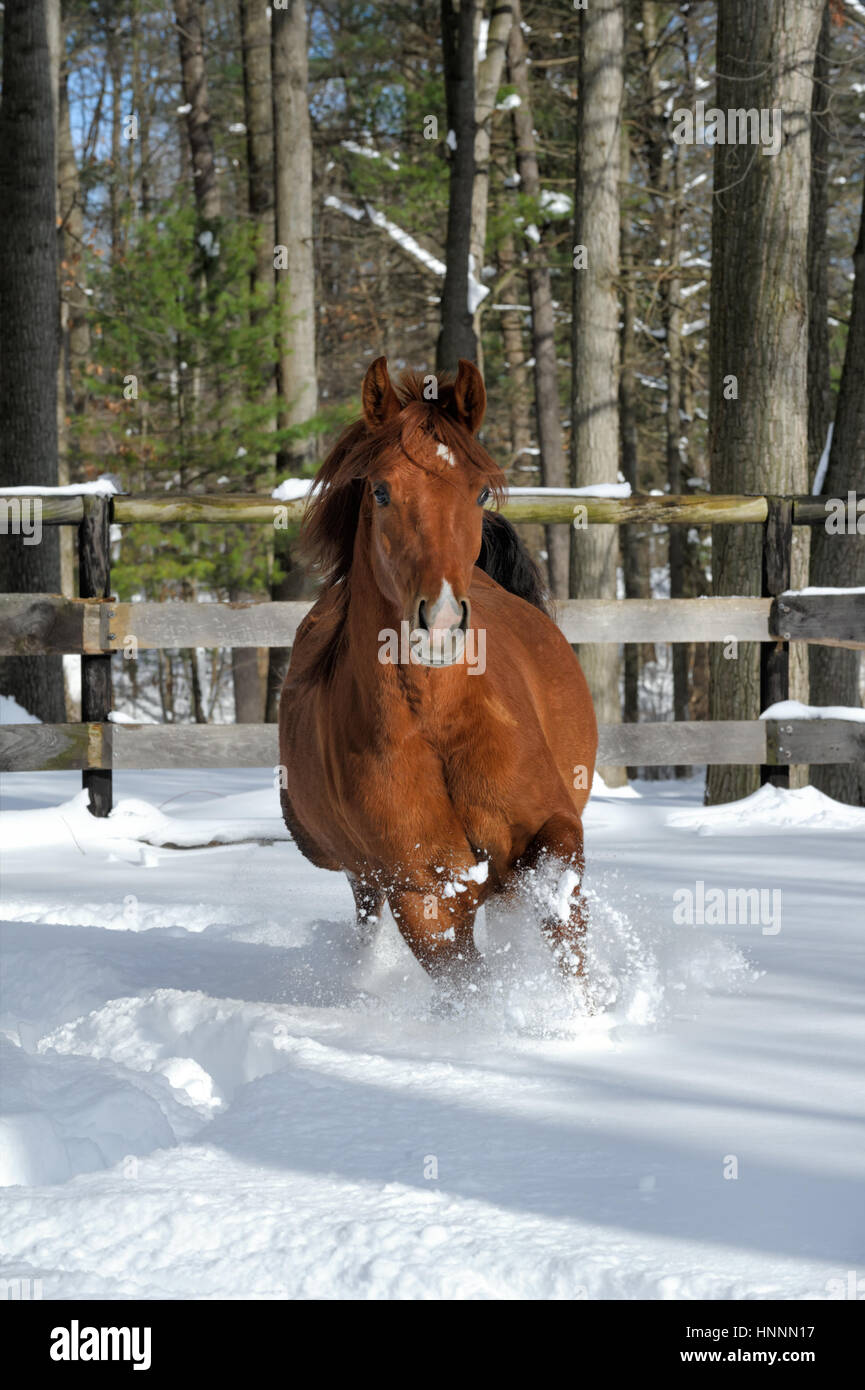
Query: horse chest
point(473, 779)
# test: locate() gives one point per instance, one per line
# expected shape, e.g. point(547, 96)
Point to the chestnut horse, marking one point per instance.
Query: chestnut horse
point(430, 776)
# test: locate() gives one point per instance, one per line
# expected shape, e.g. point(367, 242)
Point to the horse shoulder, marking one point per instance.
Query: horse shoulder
point(512, 618)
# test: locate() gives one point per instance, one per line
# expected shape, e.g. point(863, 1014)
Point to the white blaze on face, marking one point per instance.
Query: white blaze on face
point(442, 641)
point(445, 613)
point(444, 453)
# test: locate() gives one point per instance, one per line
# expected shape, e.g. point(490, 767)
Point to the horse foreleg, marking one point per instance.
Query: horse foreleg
point(369, 902)
point(438, 928)
point(556, 855)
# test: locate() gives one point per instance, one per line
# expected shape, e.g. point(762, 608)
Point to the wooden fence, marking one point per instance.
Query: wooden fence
point(95, 626)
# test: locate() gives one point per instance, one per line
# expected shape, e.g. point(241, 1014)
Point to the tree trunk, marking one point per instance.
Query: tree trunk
point(249, 681)
point(838, 561)
point(488, 81)
point(595, 329)
point(258, 110)
point(758, 412)
point(74, 346)
point(511, 322)
point(673, 321)
point(819, 379)
point(143, 105)
point(293, 582)
point(820, 394)
point(457, 336)
point(195, 687)
point(295, 283)
point(30, 323)
point(115, 185)
point(190, 29)
point(73, 274)
point(189, 16)
point(62, 150)
point(295, 278)
point(547, 403)
point(666, 177)
point(635, 552)
point(522, 465)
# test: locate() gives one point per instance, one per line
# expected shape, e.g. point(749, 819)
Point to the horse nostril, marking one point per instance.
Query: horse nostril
point(442, 615)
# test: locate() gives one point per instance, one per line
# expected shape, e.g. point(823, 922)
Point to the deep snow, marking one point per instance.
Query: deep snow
point(212, 1090)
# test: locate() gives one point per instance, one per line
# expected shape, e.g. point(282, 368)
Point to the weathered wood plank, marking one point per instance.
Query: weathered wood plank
point(777, 559)
point(685, 510)
point(582, 620)
point(256, 745)
point(46, 747)
point(142, 746)
point(203, 624)
point(830, 619)
point(34, 747)
point(94, 582)
point(50, 511)
point(195, 745)
point(814, 511)
point(201, 507)
point(39, 624)
point(664, 620)
point(42, 623)
point(792, 741)
point(733, 741)
point(690, 510)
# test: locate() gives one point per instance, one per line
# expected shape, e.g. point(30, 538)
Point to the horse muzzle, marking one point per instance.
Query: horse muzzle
point(438, 629)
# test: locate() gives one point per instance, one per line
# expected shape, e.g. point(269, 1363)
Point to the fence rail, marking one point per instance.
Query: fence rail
point(42, 624)
point(95, 625)
point(127, 747)
point(546, 506)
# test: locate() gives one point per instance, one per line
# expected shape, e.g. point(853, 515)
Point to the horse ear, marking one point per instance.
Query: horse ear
point(470, 397)
point(380, 401)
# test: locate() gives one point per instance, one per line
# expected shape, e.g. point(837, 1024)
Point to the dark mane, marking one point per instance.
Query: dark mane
point(505, 559)
point(332, 513)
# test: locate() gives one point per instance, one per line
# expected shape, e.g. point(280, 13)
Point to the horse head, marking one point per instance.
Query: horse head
point(426, 494)
point(410, 483)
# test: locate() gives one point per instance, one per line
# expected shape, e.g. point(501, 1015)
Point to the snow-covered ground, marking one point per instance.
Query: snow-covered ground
point(212, 1090)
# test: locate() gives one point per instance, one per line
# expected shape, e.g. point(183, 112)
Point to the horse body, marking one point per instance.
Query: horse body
point(432, 786)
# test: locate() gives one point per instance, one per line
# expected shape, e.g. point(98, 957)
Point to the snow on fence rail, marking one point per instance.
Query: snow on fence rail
point(95, 625)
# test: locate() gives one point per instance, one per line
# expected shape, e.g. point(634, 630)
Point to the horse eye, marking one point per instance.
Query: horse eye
point(381, 494)
point(485, 496)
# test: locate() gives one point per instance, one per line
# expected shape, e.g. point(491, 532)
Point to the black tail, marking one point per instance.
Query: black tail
point(505, 559)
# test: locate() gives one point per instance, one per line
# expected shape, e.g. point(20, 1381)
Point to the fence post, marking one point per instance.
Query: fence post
point(775, 655)
point(94, 581)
